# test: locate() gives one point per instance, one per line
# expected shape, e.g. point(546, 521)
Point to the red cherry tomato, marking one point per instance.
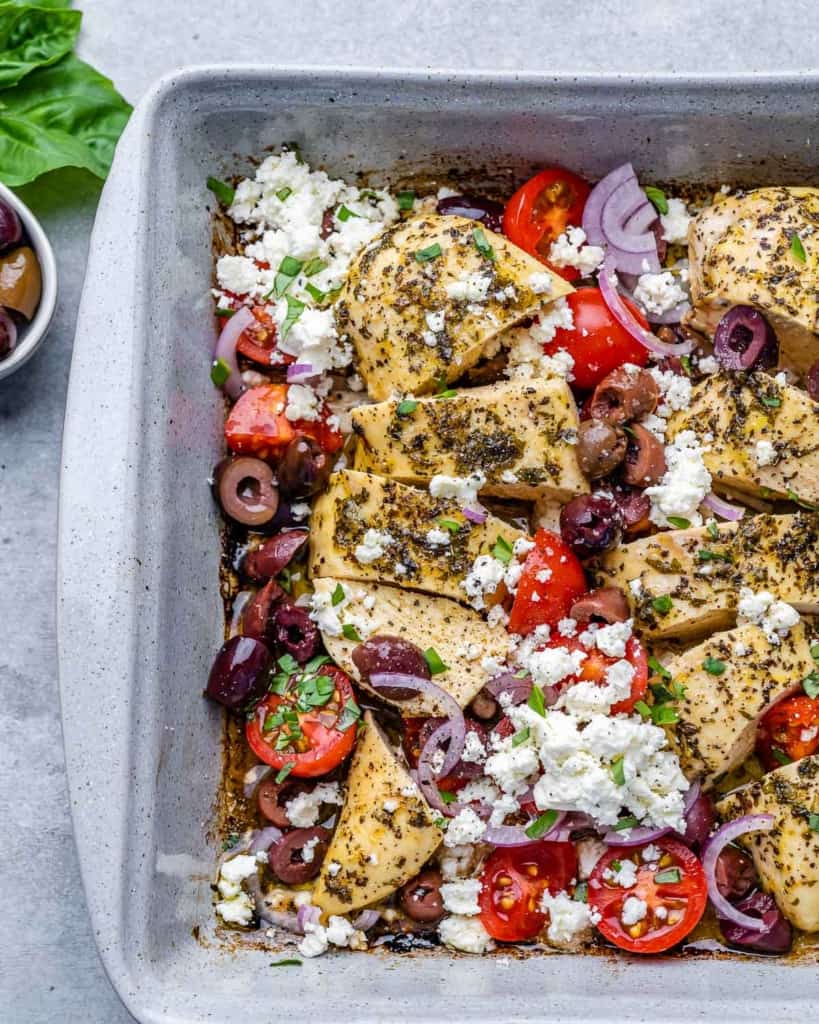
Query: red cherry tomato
point(672, 888)
point(258, 342)
point(789, 731)
point(542, 209)
point(312, 741)
point(562, 583)
point(597, 342)
point(513, 883)
point(417, 730)
point(257, 424)
point(596, 664)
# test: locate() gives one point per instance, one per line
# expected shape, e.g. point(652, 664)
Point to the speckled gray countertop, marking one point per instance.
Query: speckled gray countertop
point(50, 968)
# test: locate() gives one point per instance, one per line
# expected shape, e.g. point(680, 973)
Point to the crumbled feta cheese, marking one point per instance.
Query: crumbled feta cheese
point(634, 910)
point(302, 403)
point(624, 875)
point(315, 941)
point(333, 868)
point(470, 287)
point(304, 808)
point(708, 364)
point(651, 853)
point(739, 649)
point(466, 934)
point(373, 546)
point(684, 484)
point(339, 931)
point(659, 293)
point(233, 872)
point(560, 364)
point(569, 920)
point(587, 698)
point(300, 510)
point(636, 587)
point(439, 538)
point(470, 652)
point(525, 344)
point(765, 453)
point(456, 861)
point(324, 613)
point(474, 751)
point(589, 852)
point(612, 640)
point(552, 665)
point(483, 578)
point(566, 627)
point(675, 222)
point(464, 490)
point(510, 768)
point(570, 250)
point(308, 851)
point(237, 910)
point(540, 282)
point(496, 616)
point(461, 896)
point(237, 274)
point(465, 827)
point(390, 806)
point(775, 618)
point(675, 391)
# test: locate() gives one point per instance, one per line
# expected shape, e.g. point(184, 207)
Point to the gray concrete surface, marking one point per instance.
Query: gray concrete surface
point(50, 971)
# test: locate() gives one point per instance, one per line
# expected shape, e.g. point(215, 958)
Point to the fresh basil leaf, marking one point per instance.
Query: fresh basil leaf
point(663, 714)
point(657, 668)
point(643, 709)
point(772, 401)
point(407, 407)
point(284, 193)
point(289, 270)
point(520, 737)
point(434, 662)
point(657, 197)
point(223, 192)
point(618, 771)
point(31, 37)
point(540, 826)
point(713, 666)
point(350, 714)
point(454, 527)
point(811, 685)
point(537, 702)
point(338, 595)
point(294, 311)
point(446, 797)
point(502, 550)
point(624, 823)
point(290, 962)
point(219, 372)
point(798, 249)
point(713, 530)
point(813, 822)
point(349, 632)
point(662, 604)
point(781, 756)
point(482, 243)
point(668, 877)
point(430, 253)
point(65, 115)
point(679, 521)
point(581, 892)
point(282, 773)
point(405, 200)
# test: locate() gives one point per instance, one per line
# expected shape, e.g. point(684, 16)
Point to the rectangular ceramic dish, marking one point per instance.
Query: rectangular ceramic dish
point(140, 614)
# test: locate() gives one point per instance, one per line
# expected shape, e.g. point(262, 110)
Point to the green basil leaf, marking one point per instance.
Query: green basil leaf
point(713, 666)
point(813, 822)
point(223, 192)
point(772, 401)
point(520, 737)
point(290, 962)
point(434, 662)
point(798, 249)
point(407, 407)
point(657, 668)
point(338, 595)
point(643, 709)
point(668, 877)
point(284, 193)
point(482, 243)
point(657, 197)
point(405, 200)
point(679, 521)
point(65, 115)
point(454, 527)
point(781, 756)
point(662, 604)
point(618, 771)
point(624, 823)
point(811, 685)
point(31, 37)
point(537, 701)
point(663, 714)
point(540, 826)
point(289, 270)
point(430, 253)
point(713, 530)
point(282, 773)
point(219, 372)
point(350, 714)
point(294, 311)
point(581, 892)
point(502, 550)
point(349, 632)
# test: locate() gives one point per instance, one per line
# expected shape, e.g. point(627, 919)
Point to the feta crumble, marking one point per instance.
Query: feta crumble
point(466, 934)
point(765, 453)
point(570, 250)
point(373, 546)
point(303, 810)
point(464, 490)
point(775, 618)
point(461, 896)
point(634, 910)
point(659, 293)
point(569, 920)
point(675, 222)
point(684, 484)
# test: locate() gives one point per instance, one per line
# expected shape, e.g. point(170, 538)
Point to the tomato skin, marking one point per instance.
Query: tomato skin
point(542, 209)
point(257, 425)
point(596, 663)
point(792, 727)
point(522, 874)
point(327, 746)
point(684, 901)
point(605, 345)
point(258, 342)
point(566, 584)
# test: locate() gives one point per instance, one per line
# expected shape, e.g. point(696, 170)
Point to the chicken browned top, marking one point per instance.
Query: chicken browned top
point(742, 253)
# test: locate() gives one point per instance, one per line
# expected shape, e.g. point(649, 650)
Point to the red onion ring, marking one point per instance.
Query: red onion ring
point(429, 788)
point(691, 796)
point(475, 515)
point(456, 734)
point(272, 918)
point(297, 373)
point(597, 199)
point(636, 836)
point(624, 317)
point(307, 914)
point(518, 689)
point(618, 215)
point(451, 708)
point(366, 919)
point(716, 844)
point(723, 508)
point(515, 835)
point(264, 839)
point(253, 777)
point(226, 349)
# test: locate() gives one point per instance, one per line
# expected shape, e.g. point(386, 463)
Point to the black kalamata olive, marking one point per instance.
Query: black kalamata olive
point(239, 672)
point(744, 340)
point(246, 490)
point(421, 898)
point(295, 631)
point(11, 230)
point(385, 653)
point(644, 464)
point(268, 560)
point(699, 821)
point(624, 395)
point(484, 705)
point(813, 381)
point(256, 617)
point(590, 524)
point(775, 938)
point(735, 874)
point(285, 856)
point(8, 333)
point(606, 603)
point(600, 448)
point(486, 211)
point(328, 223)
point(271, 796)
point(304, 468)
point(634, 507)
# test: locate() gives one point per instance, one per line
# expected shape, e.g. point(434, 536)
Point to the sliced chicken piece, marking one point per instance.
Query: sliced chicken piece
point(521, 436)
point(399, 549)
point(685, 584)
point(759, 437)
point(460, 636)
point(386, 831)
point(741, 254)
point(787, 857)
point(730, 681)
point(425, 296)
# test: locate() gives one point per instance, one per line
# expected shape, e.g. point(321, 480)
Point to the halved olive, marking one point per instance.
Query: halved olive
point(20, 281)
point(246, 490)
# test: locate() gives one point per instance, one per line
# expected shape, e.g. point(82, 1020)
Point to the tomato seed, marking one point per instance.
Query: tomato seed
point(504, 880)
point(507, 902)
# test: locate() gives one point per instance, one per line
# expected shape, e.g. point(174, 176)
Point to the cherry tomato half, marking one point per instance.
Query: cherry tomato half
point(315, 740)
point(513, 882)
point(542, 209)
point(417, 730)
point(790, 730)
point(258, 342)
point(553, 572)
point(596, 664)
point(597, 342)
point(257, 425)
point(672, 888)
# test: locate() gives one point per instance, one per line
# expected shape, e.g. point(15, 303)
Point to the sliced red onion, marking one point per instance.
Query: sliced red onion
point(366, 919)
point(308, 914)
point(475, 515)
point(634, 836)
point(575, 821)
point(450, 707)
point(507, 682)
point(671, 316)
point(716, 844)
point(451, 730)
point(265, 838)
point(515, 835)
point(690, 797)
point(253, 777)
point(226, 349)
point(744, 340)
point(297, 373)
point(773, 934)
point(272, 918)
point(633, 251)
point(723, 508)
point(642, 218)
point(607, 279)
point(598, 197)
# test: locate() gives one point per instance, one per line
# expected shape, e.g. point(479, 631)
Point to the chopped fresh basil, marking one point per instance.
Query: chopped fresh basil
point(446, 797)
point(798, 249)
point(284, 193)
point(219, 372)
point(314, 266)
point(657, 668)
point(713, 530)
point(314, 664)
point(338, 595)
point(349, 632)
point(316, 294)
point(223, 192)
point(314, 692)
point(643, 709)
point(713, 666)
point(814, 652)
point(434, 662)
point(679, 521)
point(668, 877)
point(431, 252)
point(618, 771)
point(350, 714)
point(282, 773)
point(502, 550)
point(291, 962)
point(662, 714)
point(772, 401)
point(287, 663)
point(289, 270)
point(657, 197)
point(793, 496)
point(446, 393)
point(449, 524)
point(706, 555)
point(540, 826)
point(811, 685)
point(407, 407)
point(678, 691)
point(537, 701)
point(406, 200)
point(344, 213)
point(482, 243)
point(663, 604)
point(285, 581)
point(685, 362)
point(781, 756)
point(231, 841)
point(581, 892)
point(441, 823)
point(813, 822)
point(521, 736)
point(223, 311)
point(294, 311)
point(624, 823)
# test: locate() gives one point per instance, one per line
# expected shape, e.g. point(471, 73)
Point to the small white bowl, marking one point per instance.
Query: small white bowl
point(31, 335)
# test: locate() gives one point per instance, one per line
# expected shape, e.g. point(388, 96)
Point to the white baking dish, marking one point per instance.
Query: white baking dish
point(140, 615)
